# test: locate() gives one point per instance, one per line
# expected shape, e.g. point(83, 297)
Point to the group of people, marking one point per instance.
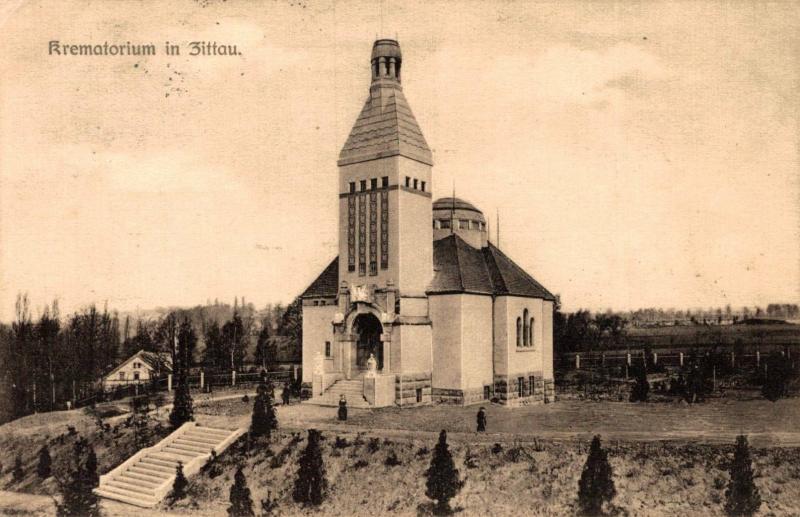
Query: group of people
point(481, 417)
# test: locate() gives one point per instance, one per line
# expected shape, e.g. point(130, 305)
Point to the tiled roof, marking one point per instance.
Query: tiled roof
point(509, 278)
point(385, 127)
point(326, 284)
point(458, 268)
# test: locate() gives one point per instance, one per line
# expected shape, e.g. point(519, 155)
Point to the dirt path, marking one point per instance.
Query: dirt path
point(765, 423)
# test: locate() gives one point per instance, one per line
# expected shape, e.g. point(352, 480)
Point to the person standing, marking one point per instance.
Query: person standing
point(481, 420)
point(342, 408)
point(286, 393)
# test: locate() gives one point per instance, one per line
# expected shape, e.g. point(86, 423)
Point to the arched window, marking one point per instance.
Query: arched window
point(519, 332)
point(526, 332)
point(530, 327)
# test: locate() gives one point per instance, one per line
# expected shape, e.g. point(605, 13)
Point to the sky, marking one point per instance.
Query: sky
point(638, 154)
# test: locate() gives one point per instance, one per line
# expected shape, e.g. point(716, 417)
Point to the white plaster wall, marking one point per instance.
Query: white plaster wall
point(500, 352)
point(476, 341)
point(520, 359)
point(547, 339)
point(446, 319)
point(415, 230)
point(317, 328)
point(415, 348)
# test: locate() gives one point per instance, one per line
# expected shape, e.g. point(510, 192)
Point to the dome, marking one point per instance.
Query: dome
point(386, 48)
point(451, 203)
point(453, 215)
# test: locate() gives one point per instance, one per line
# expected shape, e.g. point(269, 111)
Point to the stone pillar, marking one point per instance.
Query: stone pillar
point(386, 343)
point(347, 361)
point(391, 67)
point(382, 72)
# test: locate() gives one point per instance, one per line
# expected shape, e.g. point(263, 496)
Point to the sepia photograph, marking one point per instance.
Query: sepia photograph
point(399, 257)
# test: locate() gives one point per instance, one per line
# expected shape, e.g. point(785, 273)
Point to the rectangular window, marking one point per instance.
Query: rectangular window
point(487, 392)
point(415, 184)
point(531, 384)
point(136, 376)
point(385, 181)
point(419, 394)
point(352, 187)
point(327, 348)
point(408, 181)
point(373, 183)
point(122, 376)
point(363, 185)
point(422, 186)
point(521, 386)
point(445, 223)
point(463, 224)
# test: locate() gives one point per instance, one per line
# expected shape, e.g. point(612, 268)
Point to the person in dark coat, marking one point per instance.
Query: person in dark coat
point(286, 393)
point(481, 420)
point(342, 408)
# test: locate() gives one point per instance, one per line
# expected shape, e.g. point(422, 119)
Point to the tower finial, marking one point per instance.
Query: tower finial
point(386, 61)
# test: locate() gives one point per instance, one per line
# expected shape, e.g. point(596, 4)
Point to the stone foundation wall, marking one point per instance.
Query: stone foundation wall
point(506, 389)
point(406, 386)
point(458, 397)
point(306, 390)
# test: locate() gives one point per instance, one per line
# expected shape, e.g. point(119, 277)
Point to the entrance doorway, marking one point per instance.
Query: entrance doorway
point(368, 329)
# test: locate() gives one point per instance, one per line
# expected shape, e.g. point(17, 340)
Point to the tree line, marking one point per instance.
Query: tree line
point(50, 359)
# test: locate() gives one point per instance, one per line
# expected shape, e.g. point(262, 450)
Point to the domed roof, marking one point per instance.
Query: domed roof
point(386, 48)
point(454, 203)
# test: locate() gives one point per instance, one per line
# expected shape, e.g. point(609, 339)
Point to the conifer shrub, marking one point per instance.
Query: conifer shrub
point(442, 478)
point(742, 497)
point(77, 496)
point(642, 387)
point(776, 381)
point(17, 473)
point(264, 420)
point(310, 485)
point(596, 485)
point(178, 486)
point(241, 502)
point(45, 466)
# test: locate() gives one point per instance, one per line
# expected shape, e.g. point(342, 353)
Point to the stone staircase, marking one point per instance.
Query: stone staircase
point(352, 389)
point(146, 478)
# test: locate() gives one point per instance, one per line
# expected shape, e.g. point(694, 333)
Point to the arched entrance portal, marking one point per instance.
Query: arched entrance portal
point(368, 330)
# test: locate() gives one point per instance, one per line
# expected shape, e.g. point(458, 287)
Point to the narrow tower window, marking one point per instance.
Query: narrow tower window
point(352, 187)
point(373, 183)
point(526, 331)
point(385, 181)
point(415, 184)
point(519, 332)
point(363, 185)
point(422, 188)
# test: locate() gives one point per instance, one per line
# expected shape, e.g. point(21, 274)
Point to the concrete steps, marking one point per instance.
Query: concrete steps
point(147, 477)
point(353, 391)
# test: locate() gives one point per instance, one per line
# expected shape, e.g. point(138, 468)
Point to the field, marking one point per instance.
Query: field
point(668, 458)
point(765, 335)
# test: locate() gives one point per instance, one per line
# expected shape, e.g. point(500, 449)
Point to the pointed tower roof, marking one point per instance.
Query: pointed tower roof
point(386, 125)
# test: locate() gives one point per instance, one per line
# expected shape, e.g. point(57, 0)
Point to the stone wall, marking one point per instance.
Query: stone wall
point(458, 397)
point(506, 389)
point(406, 386)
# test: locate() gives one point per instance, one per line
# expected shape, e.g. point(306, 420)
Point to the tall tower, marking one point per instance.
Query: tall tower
point(385, 231)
